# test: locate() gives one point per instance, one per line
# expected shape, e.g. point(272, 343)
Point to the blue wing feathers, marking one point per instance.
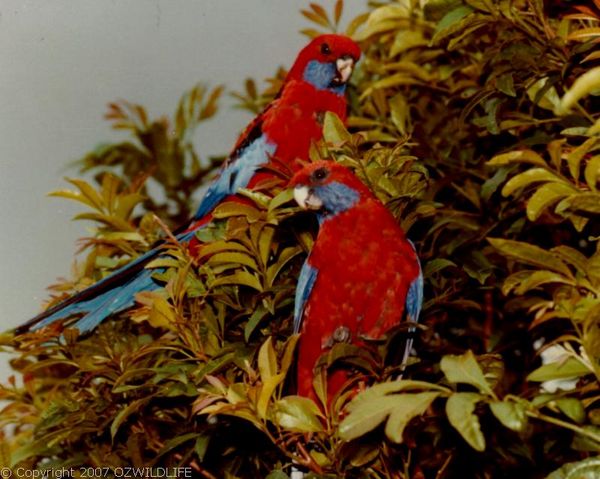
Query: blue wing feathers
point(237, 174)
point(414, 297)
point(414, 302)
point(117, 291)
point(306, 281)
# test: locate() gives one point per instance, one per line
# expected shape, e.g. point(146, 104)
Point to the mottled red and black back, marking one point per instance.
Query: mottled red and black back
point(365, 267)
point(292, 123)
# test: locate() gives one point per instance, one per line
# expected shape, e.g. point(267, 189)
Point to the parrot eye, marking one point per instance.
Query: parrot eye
point(325, 49)
point(320, 174)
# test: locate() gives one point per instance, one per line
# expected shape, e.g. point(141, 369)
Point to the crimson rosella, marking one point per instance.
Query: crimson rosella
point(362, 276)
point(283, 132)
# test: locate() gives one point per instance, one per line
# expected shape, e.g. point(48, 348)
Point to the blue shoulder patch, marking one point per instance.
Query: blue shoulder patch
point(306, 281)
point(237, 174)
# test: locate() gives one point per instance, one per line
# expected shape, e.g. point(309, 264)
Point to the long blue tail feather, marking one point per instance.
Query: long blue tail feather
point(110, 295)
point(117, 291)
point(97, 309)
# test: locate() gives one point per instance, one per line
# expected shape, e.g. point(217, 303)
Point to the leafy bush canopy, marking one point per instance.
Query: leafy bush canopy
point(477, 124)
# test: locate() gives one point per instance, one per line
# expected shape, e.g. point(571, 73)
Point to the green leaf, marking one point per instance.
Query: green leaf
point(505, 84)
point(124, 413)
point(436, 265)
point(201, 445)
point(240, 278)
point(546, 196)
point(277, 474)
point(459, 409)
point(572, 408)
point(230, 208)
point(288, 352)
point(530, 254)
point(511, 414)
point(257, 316)
point(334, 130)
point(400, 113)
point(533, 280)
point(266, 392)
point(571, 368)
point(88, 192)
point(371, 407)
point(219, 246)
point(465, 369)
point(587, 83)
point(407, 39)
point(522, 180)
point(450, 19)
point(281, 198)
point(177, 441)
point(584, 202)
point(587, 469)
point(575, 156)
point(298, 413)
point(406, 407)
point(232, 257)
point(592, 172)
point(519, 156)
point(267, 360)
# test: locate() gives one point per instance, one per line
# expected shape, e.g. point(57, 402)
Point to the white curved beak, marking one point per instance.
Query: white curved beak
point(344, 67)
point(306, 198)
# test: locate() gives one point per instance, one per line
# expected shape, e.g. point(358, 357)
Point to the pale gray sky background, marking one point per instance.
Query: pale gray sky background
point(61, 61)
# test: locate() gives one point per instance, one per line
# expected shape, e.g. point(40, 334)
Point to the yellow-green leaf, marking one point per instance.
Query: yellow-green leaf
point(233, 257)
point(587, 83)
point(267, 360)
point(266, 392)
point(570, 368)
point(407, 406)
point(465, 369)
point(546, 196)
point(334, 130)
point(459, 409)
point(534, 175)
point(592, 172)
point(530, 254)
point(298, 413)
point(239, 278)
point(510, 414)
point(518, 156)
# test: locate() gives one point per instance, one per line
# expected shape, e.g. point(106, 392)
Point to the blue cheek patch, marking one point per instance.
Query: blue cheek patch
point(320, 75)
point(336, 198)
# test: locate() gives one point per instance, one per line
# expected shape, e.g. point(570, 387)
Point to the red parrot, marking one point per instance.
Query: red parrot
point(362, 276)
point(283, 132)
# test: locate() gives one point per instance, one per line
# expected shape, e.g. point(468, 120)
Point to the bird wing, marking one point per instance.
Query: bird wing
point(252, 150)
point(306, 281)
point(414, 302)
point(414, 297)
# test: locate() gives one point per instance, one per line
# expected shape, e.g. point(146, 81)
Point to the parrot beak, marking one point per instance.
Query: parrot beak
point(306, 198)
point(344, 67)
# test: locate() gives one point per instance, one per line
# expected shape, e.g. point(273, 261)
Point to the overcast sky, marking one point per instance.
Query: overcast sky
point(61, 61)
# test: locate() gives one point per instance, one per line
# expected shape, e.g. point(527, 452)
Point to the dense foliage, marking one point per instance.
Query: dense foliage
point(476, 123)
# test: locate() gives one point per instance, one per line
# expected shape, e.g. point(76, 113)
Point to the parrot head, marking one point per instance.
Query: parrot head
point(328, 188)
point(326, 63)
